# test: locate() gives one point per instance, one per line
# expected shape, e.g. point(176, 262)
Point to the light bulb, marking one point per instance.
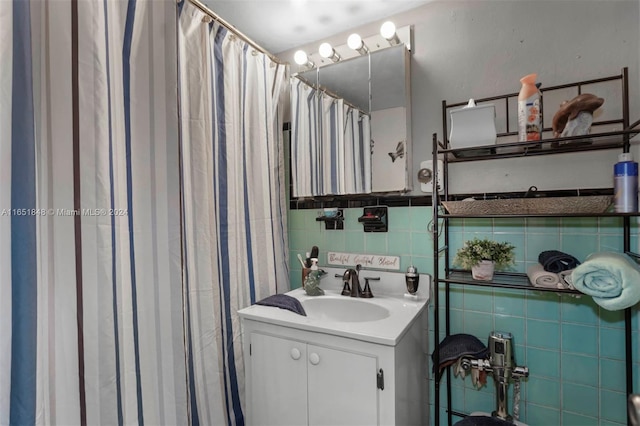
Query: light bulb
point(300, 57)
point(388, 30)
point(325, 50)
point(354, 41)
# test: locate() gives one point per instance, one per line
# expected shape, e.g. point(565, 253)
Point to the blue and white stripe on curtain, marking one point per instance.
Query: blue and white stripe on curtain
point(6, 116)
point(330, 144)
point(304, 154)
point(131, 257)
point(233, 204)
point(357, 152)
point(91, 325)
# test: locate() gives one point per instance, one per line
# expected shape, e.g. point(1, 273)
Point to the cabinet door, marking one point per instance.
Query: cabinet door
point(278, 394)
point(342, 387)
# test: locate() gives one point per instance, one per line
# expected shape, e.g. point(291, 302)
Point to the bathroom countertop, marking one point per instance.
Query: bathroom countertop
point(388, 293)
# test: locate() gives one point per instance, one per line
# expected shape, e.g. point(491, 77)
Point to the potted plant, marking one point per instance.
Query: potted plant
point(482, 256)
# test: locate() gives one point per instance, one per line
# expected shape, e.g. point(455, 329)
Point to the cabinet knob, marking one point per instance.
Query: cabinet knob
point(314, 358)
point(295, 353)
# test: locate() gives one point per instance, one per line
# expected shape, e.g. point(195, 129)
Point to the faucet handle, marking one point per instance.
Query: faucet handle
point(346, 276)
point(521, 372)
point(480, 364)
point(366, 293)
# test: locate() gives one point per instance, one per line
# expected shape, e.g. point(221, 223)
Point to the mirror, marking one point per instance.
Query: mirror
point(377, 84)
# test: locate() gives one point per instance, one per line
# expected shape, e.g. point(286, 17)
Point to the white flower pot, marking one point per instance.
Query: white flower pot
point(483, 271)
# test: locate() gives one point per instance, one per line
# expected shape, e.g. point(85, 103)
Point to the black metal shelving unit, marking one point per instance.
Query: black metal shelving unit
point(604, 140)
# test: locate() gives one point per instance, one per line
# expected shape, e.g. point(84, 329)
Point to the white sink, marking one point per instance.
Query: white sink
point(345, 310)
point(382, 319)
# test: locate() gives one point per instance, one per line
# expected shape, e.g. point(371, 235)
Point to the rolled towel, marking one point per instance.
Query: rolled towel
point(612, 279)
point(541, 278)
point(557, 261)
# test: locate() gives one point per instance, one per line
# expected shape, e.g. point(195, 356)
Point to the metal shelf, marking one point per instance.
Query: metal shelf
point(515, 216)
point(515, 281)
point(573, 144)
point(598, 141)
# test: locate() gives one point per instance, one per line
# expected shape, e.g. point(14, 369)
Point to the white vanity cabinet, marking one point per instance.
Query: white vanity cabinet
point(300, 377)
point(297, 383)
point(277, 371)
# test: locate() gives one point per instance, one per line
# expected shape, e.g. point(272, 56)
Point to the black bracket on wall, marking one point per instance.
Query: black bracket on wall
point(375, 219)
point(332, 222)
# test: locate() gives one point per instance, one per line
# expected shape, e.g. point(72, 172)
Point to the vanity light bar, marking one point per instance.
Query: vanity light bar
point(389, 35)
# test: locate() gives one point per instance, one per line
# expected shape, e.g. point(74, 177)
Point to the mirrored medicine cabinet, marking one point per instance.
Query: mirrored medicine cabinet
point(378, 85)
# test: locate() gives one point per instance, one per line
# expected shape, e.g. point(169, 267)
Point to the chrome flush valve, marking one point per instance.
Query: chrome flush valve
point(502, 367)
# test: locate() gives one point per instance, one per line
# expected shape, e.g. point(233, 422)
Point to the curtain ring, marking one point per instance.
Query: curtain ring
point(206, 19)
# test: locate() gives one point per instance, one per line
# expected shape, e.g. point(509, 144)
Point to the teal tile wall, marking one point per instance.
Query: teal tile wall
point(408, 237)
point(573, 348)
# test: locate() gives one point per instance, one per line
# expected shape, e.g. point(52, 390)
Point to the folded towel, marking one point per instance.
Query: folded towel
point(283, 301)
point(557, 261)
point(612, 279)
point(541, 278)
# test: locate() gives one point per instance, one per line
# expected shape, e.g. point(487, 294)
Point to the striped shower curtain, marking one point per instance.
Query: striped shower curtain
point(330, 144)
point(118, 291)
point(91, 322)
point(234, 208)
point(90, 293)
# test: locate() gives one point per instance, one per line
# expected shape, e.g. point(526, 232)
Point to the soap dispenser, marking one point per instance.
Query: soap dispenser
point(412, 278)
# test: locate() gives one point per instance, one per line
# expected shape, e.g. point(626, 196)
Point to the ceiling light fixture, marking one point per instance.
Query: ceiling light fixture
point(327, 51)
point(301, 58)
point(388, 31)
point(355, 42)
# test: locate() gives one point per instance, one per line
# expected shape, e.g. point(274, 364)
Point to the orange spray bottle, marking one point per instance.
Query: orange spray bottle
point(529, 120)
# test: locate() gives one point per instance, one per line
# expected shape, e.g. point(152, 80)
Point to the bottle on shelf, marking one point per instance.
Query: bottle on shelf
point(529, 121)
point(625, 184)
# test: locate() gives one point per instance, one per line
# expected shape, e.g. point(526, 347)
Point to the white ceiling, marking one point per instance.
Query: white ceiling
point(280, 25)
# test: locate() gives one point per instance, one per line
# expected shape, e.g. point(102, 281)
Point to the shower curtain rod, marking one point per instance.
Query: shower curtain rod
point(328, 92)
point(204, 8)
